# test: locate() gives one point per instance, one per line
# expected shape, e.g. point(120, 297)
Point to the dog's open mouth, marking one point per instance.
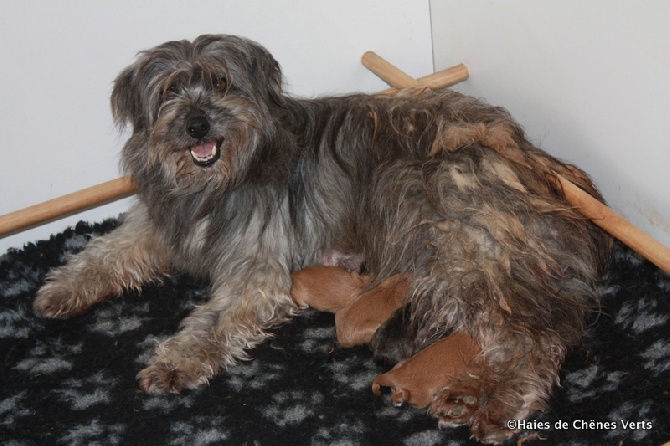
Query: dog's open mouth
point(205, 153)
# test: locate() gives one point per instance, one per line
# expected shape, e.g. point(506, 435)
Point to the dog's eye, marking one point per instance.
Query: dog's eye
point(221, 83)
point(171, 92)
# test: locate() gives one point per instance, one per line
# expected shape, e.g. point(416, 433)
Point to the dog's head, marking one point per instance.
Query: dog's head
point(198, 109)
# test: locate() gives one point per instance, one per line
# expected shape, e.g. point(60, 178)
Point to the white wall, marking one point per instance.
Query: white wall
point(59, 60)
point(587, 79)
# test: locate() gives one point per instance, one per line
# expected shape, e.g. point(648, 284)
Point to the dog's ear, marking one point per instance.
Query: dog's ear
point(263, 68)
point(273, 79)
point(127, 107)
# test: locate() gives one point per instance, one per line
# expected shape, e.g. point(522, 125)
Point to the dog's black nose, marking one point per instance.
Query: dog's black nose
point(197, 126)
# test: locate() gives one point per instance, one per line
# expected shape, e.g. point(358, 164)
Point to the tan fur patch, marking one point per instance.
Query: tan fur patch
point(496, 136)
point(505, 173)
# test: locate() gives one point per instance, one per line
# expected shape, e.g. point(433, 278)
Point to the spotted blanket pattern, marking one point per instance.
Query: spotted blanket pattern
point(73, 382)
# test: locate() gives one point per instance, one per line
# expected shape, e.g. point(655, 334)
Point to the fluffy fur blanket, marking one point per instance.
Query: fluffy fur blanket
point(73, 382)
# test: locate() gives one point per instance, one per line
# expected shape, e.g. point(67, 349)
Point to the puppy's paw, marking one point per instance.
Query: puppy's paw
point(400, 395)
point(168, 377)
point(416, 380)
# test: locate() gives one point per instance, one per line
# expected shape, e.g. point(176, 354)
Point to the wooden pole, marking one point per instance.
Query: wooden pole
point(616, 225)
point(399, 79)
point(387, 72)
point(66, 205)
point(445, 78)
point(600, 214)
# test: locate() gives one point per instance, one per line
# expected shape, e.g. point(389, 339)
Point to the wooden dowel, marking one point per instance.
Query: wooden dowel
point(440, 79)
point(600, 214)
point(66, 205)
point(616, 225)
point(387, 72)
point(398, 79)
point(445, 78)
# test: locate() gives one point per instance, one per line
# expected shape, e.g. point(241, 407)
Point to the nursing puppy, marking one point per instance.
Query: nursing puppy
point(359, 310)
point(241, 184)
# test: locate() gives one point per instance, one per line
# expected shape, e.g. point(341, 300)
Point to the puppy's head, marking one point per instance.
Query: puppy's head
point(198, 110)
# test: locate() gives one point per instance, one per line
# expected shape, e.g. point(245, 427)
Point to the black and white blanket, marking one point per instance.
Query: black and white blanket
point(72, 382)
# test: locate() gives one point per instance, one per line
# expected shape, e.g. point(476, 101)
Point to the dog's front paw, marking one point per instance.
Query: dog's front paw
point(57, 300)
point(168, 377)
point(72, 289)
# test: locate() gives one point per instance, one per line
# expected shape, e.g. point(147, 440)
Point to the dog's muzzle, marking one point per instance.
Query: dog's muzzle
point(207, 151)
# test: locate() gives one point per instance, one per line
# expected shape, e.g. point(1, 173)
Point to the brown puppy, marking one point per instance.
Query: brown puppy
point(357, 322)
point(326, 288)
point(358, 313)
point(416, 381)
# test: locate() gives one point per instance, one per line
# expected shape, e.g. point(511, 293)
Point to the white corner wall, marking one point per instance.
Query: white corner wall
point(59, 60)
point(587, 79)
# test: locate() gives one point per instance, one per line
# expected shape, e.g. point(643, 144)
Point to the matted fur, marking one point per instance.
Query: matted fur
point(437, 185)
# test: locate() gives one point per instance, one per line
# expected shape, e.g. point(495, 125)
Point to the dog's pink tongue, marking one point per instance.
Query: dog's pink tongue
point(203, 150)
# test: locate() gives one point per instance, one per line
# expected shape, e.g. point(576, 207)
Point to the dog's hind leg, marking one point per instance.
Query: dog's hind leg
point(514, 270)
point(523, 321)
point(125, 258)
point(515, 382)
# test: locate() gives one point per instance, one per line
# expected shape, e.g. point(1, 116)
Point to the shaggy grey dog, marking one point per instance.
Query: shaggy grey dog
point(240, 184)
